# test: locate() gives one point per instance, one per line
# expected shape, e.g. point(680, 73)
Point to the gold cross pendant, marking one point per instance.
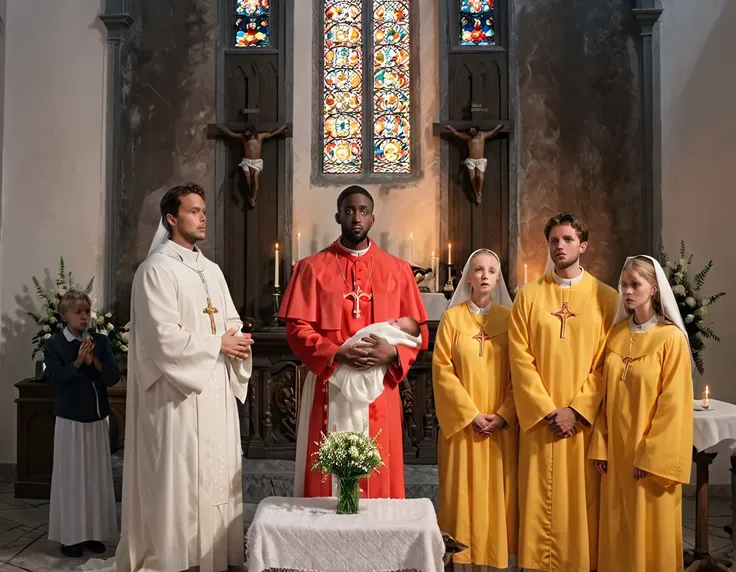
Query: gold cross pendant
point(357, 295)
point(563, 314)
point(211, 310)
point(481, 337)
point(627, 362)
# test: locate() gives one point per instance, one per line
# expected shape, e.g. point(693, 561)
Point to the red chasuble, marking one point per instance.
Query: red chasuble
point(332, 295)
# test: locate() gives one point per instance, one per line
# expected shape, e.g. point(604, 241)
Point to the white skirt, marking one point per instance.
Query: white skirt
point(82, 503)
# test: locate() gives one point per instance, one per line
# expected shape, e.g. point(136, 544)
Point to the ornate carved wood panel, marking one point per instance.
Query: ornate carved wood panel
point(476, 89)
point(255, 79)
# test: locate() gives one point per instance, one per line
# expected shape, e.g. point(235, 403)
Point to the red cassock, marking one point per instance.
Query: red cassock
point(332, 295)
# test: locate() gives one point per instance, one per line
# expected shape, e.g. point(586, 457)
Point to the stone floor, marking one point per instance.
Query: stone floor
point(24, 546)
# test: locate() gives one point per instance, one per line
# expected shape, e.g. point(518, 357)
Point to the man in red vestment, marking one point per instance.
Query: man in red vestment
point(331, 295)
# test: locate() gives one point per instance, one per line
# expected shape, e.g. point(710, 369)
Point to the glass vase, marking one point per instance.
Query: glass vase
point(348, 495)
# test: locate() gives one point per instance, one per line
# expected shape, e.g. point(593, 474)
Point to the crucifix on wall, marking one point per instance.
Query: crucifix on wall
point(250, 134)
point(476, 131)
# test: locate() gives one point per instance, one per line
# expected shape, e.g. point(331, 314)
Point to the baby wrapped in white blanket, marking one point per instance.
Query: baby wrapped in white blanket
point(353, 390)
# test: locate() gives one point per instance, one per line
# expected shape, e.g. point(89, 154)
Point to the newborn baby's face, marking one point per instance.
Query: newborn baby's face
point(404, 324)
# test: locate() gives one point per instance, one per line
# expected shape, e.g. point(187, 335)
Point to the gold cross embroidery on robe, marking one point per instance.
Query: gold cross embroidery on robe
point(563, 314)
point(481, 336)
point(211, 310)
point(357, 295)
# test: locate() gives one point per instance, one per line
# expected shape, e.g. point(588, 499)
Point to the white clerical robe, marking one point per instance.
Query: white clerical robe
point(182, 475)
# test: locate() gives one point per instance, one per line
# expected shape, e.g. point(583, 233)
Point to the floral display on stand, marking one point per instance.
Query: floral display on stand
point(49, 321)
point(694, 305)
point(348, 456)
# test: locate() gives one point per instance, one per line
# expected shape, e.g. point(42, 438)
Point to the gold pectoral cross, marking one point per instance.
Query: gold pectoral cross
point(211, 310)
point(627, 362)
point(482, 337)
point(357, 295)
point(563, 314)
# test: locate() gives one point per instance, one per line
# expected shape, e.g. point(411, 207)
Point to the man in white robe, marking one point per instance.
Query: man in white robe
point(188, 362)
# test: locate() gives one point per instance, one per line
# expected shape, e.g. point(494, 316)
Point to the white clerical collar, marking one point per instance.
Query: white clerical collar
point(567, 282)
point(354, 252)
point(476, 310)
point(646, 326)
point(188, 256)
point(71, 337)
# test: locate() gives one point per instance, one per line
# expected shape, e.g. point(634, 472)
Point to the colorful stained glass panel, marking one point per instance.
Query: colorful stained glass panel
point(252, 29)
point(477, 23)
point(343, 87)
point(391, 87)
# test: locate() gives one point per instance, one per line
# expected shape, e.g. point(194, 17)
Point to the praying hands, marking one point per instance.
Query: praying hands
point(486, 424)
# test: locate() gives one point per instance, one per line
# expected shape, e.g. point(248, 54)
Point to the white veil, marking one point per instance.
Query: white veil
point(160, 237)
point(669, 304)
point(499, 295)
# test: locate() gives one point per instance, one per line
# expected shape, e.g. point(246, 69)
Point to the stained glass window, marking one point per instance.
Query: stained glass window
point(477, 23)
point(252, 23)
point(366, 120)
point(343, 87)
point(391, 87)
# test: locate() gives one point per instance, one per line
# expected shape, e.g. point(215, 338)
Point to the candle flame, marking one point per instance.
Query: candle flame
point(433, 254)
point(277, 246)
point(299, 234)
point(706, 391)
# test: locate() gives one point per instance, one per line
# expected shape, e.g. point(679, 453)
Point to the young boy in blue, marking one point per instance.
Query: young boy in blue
point(81, 367)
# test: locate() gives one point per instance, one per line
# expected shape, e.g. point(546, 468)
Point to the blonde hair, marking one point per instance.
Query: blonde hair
point(644, 268)
point(71, 298)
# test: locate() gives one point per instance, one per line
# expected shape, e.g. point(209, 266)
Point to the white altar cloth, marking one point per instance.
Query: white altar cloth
point(714, 425)
point(435, 304)
point(306, 534)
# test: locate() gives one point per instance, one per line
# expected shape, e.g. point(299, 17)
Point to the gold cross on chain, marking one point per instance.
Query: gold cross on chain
point(357, 295)
point(211, 310)
point(481, 337)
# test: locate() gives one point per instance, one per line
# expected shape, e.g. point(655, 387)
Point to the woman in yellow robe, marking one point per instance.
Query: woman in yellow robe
point(642, 440)
point(477, 447)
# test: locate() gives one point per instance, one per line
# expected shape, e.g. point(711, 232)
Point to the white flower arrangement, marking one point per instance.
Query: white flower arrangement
point(347, 454)
point(49, 320)
point(692, 304)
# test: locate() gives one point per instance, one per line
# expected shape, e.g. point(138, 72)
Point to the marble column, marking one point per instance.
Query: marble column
point(580, 128)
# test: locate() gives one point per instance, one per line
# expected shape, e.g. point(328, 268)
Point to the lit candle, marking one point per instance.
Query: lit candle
point(526, 273)
point(276, 266)
point(706, 401)
point(449, 253)
point(411, 248)
point(298, 246)
point(436, 272)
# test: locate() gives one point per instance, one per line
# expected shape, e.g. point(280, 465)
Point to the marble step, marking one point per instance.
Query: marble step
point(272, 477)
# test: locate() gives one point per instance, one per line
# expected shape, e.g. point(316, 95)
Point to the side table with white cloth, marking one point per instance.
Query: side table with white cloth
point(435, 304)
point(303, 534)
point(710, 427)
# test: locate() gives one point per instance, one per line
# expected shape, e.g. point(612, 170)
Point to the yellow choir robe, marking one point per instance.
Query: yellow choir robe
point(477, 475)
point(558, 487)
point(647, 422)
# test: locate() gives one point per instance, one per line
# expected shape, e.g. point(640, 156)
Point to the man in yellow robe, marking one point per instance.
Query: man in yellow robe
point(557, 334)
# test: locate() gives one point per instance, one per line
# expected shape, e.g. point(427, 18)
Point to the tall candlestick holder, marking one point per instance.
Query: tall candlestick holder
point(276, 306)
point(449, 288)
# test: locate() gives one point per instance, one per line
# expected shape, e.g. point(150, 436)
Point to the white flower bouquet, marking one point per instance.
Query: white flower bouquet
point(693, 305)
point(349, 456)
point(49, 320)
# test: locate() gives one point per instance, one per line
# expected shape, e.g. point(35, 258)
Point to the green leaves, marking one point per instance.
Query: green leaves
point(693, 307)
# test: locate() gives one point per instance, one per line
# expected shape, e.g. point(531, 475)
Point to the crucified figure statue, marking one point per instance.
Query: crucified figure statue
point(252, 164)
point(476, 161)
